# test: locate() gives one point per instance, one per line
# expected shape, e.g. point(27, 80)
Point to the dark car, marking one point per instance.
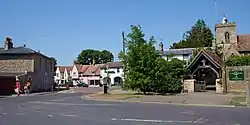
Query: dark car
point(82, 84)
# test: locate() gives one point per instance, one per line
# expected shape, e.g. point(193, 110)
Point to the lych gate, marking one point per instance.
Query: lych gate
point(204, 72)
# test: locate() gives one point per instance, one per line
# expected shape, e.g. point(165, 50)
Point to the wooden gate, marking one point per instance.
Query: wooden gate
point(200, 86)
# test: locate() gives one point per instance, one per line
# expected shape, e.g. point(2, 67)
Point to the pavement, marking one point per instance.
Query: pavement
point(69, 108)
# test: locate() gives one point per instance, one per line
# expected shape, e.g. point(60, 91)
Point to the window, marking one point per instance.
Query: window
point(118, 70)
point(227, 37)
point(57, 74)
point(92, 82)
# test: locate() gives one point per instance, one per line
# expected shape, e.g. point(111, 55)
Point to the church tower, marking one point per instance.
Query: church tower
point(226, 36)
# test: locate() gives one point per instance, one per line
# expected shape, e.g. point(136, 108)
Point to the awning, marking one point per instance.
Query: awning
point(12, 74)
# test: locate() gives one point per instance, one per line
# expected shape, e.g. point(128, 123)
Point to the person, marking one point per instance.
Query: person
point(18, 86)
point(28, 84)
point(26, 91)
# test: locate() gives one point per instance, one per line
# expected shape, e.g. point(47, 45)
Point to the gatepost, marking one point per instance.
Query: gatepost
point(248, 94)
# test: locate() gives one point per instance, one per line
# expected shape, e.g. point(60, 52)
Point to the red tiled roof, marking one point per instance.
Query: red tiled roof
point(62, 68)
point(244, 42)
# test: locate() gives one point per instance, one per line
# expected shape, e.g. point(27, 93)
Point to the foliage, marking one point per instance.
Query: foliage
point(54, 59)
point(243, 60)
point(199, 35)
point(90, 56)
point(145, 70)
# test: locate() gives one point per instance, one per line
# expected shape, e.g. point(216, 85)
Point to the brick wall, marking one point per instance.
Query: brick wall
point(238, 85)
point(17, 65)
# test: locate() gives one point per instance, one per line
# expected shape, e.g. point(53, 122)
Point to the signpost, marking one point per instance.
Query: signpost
point(236, 75)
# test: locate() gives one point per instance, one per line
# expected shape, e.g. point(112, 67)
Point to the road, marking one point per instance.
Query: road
point(70, 109)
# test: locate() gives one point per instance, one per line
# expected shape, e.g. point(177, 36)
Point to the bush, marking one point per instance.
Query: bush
point(238, 61)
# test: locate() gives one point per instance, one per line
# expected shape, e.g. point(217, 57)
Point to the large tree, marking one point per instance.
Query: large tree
point(199, 35)
point(90, 56)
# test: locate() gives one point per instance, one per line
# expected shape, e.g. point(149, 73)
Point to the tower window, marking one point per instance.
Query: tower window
point(227, 37)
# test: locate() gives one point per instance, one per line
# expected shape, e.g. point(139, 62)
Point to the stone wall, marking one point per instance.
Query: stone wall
point(17, 65)
point(238, 85)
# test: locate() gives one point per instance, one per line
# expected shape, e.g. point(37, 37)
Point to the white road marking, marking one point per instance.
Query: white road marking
point(19, 113)
point(199, 119)
point(57, 100)
point(68, 115)
point(50, 116)
point(70, 104)
point(157, 121)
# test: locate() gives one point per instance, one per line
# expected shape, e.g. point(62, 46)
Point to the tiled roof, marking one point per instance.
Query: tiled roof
point(112, 65)
point(244, 42)
point(20, 50)
point(62, 68)
point(178, 51)
point(213, 57)
point(17, 50)
point(90, 69)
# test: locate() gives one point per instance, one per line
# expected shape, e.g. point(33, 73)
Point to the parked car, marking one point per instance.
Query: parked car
point(82, 84)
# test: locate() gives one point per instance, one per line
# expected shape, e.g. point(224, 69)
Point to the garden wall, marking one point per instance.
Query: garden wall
point(237, 78)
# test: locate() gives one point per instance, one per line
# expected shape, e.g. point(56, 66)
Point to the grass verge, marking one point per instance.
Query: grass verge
point(238, 101)
point(115, 96)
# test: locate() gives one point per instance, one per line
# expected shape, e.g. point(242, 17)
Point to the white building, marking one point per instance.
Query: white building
point(112, 73)
point(63, 74)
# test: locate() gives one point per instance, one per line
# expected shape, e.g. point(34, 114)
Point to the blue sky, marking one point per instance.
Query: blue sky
point(62, 28)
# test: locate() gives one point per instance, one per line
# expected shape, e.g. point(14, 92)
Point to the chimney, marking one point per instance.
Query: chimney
point(75, 62)
point(8, 43)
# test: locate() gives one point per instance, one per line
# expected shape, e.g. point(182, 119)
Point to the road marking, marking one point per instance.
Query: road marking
point(69, 104)
point(68, 115)
point(157, 121)
point(57, 100)
point(199, 119)
point(19, 113)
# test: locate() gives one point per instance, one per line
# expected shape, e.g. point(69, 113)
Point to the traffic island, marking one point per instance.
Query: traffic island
point(109, 96)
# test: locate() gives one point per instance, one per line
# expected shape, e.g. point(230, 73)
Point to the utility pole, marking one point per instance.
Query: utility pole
point(124, 52)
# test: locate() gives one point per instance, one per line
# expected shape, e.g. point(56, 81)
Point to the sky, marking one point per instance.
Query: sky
point(63, 28)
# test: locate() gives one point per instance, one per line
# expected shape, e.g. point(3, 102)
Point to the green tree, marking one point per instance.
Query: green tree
point(199, 35)
point(140, 60)
point(90, 56)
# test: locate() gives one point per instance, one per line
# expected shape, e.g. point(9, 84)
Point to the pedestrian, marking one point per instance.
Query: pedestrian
point(18, 86)
point(28, 85)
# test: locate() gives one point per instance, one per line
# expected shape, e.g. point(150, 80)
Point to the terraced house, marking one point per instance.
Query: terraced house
point(24, 63)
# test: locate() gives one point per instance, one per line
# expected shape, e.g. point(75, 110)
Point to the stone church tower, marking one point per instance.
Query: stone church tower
point(226, 37)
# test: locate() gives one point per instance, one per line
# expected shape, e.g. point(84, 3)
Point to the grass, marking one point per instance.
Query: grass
point(116, 96)
point(238, 101)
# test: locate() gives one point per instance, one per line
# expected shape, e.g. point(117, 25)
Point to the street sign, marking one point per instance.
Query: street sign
point(236, 75)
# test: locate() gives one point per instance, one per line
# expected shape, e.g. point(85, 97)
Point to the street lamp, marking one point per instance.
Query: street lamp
point(106, 82)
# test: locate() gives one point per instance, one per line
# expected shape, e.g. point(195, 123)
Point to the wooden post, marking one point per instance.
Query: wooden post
point(248, 94)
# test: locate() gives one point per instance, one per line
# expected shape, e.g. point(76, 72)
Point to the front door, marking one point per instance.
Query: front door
point(200, 86)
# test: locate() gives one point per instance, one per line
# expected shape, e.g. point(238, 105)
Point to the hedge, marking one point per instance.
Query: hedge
point(238, 61)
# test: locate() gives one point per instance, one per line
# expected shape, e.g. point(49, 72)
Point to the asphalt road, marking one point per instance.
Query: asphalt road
point(70, 109)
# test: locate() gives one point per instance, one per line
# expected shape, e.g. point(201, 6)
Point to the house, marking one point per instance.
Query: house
point(88, 74)
point(24, 63)
point(207, 67)
point(112, 73)
point(63, 74)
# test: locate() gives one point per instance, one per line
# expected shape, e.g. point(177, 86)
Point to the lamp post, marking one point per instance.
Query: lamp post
point(105, 86)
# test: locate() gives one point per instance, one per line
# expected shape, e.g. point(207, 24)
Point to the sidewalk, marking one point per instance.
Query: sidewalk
point(196, 99)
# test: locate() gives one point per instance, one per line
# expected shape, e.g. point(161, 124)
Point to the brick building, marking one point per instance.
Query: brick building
point(24, 63)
